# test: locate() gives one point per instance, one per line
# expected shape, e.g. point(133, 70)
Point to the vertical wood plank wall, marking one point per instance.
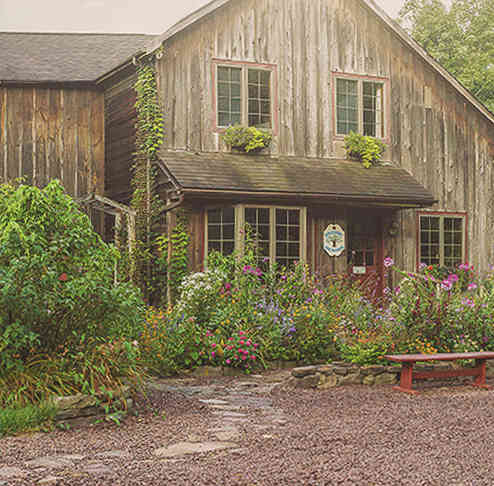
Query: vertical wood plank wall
point(120, 120)
point(53, 133)
point(449, 148)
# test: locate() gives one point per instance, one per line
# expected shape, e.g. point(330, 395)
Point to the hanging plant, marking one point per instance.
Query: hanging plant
point(367, 149)
point(247, 139)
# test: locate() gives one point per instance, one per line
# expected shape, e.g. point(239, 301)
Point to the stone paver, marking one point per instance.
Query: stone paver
point(11, 472)
point(183, 448)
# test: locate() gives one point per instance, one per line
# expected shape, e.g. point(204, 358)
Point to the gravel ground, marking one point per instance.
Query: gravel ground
point(354, 435)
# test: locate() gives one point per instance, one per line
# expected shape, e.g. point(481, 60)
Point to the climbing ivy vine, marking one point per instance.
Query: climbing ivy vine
point(145, 201)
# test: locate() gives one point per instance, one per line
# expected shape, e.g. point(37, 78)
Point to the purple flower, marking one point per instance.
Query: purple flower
point(247, 269)
point(452, 277)
point(283, 277)
point(446, 285)
point(258, 272)
point(308, 301)
point(422, 266)
point(472, 286)
point(228, 286)
point(292, 329)
point(388, 262)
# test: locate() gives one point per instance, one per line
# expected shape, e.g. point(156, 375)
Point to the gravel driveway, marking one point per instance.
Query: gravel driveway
point(258, 432)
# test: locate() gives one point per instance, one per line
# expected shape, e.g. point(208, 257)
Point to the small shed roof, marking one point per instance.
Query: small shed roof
point(335, 179)
point(46, 57)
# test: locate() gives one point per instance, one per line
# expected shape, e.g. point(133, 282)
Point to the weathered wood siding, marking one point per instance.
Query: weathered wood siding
point(53, 133)
point(448, 147)
point(120, 120)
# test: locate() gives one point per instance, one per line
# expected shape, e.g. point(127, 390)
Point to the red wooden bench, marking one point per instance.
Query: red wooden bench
point(408, 360)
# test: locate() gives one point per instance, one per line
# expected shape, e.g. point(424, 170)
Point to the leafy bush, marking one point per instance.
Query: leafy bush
point(368, 150)
point(247, 139)
point(56, 277)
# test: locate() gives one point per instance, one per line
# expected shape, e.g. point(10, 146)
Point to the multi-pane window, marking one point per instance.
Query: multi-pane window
point(278, 234)
point(442, 240)
point(347, 105)
point(229, 99)
point(259, 98)
point(360, 107)
point(287, 236)
point(221, 230)
point(258, 221)
point(244, 96)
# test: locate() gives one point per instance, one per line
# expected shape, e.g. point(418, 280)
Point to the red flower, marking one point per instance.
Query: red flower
point(63, 277)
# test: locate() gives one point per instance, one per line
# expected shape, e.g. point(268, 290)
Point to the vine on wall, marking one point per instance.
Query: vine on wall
point(145, 201)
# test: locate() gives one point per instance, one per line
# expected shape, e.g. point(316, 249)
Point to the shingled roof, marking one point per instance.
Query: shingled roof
point(295, 176)
point(41, 57)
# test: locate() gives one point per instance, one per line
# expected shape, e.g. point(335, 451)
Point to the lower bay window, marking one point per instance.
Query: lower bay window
point(278, 232)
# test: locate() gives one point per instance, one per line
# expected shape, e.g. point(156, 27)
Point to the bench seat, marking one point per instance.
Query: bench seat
point(408, 360)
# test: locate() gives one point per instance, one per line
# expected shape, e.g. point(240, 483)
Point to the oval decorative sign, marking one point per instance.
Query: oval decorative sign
point(334, 240)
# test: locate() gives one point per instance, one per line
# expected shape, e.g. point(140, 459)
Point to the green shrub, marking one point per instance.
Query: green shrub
point(56, 277)
point(247, 139)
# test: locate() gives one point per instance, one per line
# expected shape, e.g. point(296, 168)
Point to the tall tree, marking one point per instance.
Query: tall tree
point(460, 36)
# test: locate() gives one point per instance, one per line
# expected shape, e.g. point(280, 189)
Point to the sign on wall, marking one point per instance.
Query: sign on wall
point(334, 240)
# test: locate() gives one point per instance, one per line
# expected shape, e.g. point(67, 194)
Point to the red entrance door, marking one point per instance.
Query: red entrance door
point(365, 253)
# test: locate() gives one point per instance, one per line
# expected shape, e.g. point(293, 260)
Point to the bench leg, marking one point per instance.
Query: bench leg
point(406, 379)
point(480, 378)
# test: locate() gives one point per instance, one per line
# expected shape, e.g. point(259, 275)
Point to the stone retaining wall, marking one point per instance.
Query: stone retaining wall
point(79, 409)
point(341, 373)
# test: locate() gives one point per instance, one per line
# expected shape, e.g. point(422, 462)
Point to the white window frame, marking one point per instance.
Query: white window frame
point(240, 226)
point(441, 216)
point(244, 90)
point(360, 92)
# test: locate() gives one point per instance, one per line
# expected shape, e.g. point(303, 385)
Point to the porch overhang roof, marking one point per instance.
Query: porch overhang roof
point(224, 174)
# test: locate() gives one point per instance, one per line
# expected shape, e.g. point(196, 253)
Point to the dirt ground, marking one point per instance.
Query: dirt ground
point(259, 431)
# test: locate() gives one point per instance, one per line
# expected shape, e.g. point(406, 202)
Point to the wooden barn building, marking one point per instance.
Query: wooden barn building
point(310, 71)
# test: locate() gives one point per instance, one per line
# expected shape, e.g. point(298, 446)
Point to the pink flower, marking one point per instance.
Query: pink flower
point(229, 348)
point(228, 286)
point(241, 333)
point(240, 350)
point(472, 286)
point(241, 341)
point(213, 345)
point(464, 266)
point(249, 342)
point(255, 345)
point(228, 361)
point(63, 277)
point(244, 357)
point(388, 262)
point(213, 354)
point(446, 285)
point(230, 339)
point(452, 277)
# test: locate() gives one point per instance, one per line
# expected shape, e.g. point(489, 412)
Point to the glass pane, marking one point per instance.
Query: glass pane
point(293, 250)
point(369, 258)
point(214, 232)
point(224, 119)
point(265, 92)
point(223, 89)
point(253, 107)
point(294, 233)
point(235, 74)
point(347, 105)
point(235, 105)
point(223, 74)
point(281, 233)
point(235, 90)
point(281, 216)
point(253, 91)
point(228, 215)
point(235, 119)
point(228, 232)
point(223, 104)
point(264, 215)
point(458, 224)
point(281, 249)
point(251, 216)
point(294, 216)
point(263, 232)
point(265, 77)
point(253, 76)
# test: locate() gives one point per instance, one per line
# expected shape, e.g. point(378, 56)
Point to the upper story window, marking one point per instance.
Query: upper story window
point(244, 94)
point(442, 239)
point(360, 105)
